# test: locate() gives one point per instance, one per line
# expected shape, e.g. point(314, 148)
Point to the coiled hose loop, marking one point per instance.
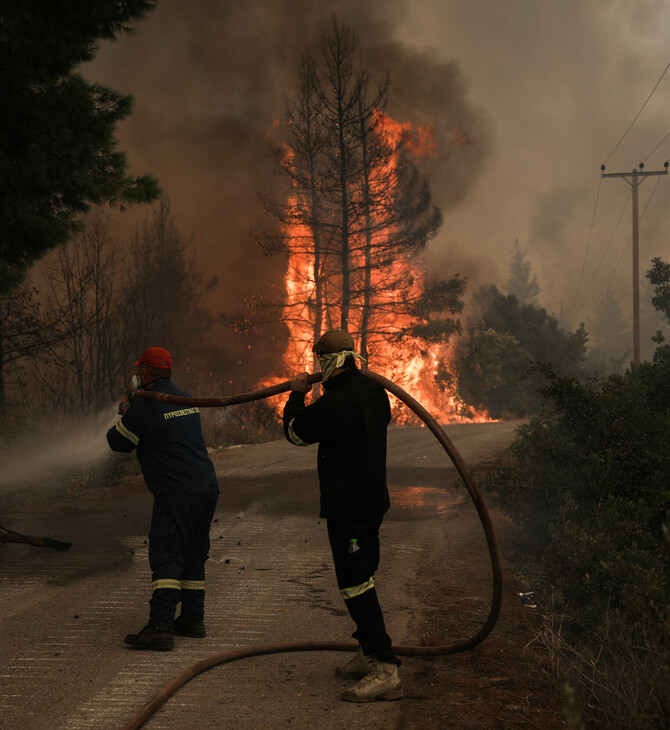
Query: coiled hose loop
point(425, 651)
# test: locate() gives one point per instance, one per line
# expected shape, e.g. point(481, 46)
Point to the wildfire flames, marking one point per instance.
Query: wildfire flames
point(420, 368)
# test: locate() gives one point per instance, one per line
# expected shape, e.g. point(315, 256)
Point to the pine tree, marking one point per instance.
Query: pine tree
point(163, 292)
point(520, 282)
point(495, 357)
point(608, 329)
point(358, 211)
point(58, 152)
point(609, 334)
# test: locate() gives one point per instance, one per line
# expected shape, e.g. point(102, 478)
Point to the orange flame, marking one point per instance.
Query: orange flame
point(417, 366)
point(419, 140)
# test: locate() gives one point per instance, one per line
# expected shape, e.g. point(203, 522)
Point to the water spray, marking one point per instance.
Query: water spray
point(81, 448)
point(415, 651)
point(77, 445)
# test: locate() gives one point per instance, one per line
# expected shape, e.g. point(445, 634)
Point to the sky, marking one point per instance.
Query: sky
point(543, 91)
point(561, 83)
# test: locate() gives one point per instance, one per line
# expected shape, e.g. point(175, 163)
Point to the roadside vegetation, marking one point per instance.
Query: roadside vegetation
point(248, 423)
point(587, 485)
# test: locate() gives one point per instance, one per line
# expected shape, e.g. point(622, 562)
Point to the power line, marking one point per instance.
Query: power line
point(588, 244)
point(616, 228)
point(623, 253)
point(655, 148)
point(633, 179)
point(630, 126)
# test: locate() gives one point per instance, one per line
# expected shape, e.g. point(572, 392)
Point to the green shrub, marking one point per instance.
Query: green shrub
point(589, 488)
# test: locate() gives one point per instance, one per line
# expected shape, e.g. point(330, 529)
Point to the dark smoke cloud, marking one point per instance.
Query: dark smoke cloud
point(210, 80)
point(527, 98)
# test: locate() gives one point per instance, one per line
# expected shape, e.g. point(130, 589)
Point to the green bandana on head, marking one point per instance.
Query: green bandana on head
point(335, 360)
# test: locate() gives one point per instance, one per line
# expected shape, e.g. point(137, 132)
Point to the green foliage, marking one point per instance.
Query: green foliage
point(659, 277)
point(58, 152)
point(590, 492)
point(610, 337)
point(494, 359)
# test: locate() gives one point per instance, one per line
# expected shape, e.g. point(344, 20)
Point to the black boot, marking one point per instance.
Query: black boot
point(158, 638)
point(193, 628)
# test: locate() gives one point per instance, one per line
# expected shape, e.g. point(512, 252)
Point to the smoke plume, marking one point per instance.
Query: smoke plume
point(210, 82)
point(527, 99)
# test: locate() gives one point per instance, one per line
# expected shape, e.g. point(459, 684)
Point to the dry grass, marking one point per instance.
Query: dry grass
point(617, 682)
point(249, 423)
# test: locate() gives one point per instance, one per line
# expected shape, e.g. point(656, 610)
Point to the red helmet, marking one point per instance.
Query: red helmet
point(156, 357)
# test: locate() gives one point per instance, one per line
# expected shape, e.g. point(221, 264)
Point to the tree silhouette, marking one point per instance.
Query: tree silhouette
point(58, 152)
point(609, 334)
point(521, 282)
point(494, 358)
point(356, 212)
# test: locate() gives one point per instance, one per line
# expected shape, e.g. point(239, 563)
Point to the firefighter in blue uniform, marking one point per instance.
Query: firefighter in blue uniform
point(180, 475)
point(349, 422)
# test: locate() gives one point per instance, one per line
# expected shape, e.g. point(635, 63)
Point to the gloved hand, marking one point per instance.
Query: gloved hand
point(301, 383)
point(124, 405)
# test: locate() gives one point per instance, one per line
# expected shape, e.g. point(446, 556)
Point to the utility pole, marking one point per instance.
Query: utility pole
point(633, 179)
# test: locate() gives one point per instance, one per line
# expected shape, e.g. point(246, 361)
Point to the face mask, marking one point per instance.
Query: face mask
point(335, 360)
point(135, 383)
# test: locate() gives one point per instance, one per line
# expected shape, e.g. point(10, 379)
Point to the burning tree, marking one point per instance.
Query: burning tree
point(355, 219)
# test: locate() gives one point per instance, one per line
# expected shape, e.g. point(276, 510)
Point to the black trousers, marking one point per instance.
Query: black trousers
point(178, 551)
point(355, 570)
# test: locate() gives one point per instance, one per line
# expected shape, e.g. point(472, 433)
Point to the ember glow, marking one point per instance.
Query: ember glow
point(420, 501)
point(384, 314)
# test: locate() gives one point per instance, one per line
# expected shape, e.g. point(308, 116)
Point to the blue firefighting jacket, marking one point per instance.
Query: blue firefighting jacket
point(170, 447)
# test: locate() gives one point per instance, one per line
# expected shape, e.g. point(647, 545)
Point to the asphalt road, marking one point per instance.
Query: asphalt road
point(270, 579)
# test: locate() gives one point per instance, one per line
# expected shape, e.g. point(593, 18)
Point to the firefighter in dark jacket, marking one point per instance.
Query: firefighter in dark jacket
point(180, 475)
point(349, 422)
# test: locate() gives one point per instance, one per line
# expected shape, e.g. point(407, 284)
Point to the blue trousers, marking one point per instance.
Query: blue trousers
point(178, 551)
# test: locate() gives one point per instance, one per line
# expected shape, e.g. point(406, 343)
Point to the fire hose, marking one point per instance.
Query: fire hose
point(7, 535)
point(413, 651)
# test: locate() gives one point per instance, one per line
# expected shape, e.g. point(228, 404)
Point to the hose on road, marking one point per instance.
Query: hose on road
point(426, 651)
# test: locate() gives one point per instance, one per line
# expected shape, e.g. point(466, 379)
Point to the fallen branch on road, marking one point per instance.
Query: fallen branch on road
point(46, 542)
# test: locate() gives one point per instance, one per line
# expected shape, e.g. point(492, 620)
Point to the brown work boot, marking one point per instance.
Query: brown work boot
point(157, 638)
point(357, 667)
point(382, 683)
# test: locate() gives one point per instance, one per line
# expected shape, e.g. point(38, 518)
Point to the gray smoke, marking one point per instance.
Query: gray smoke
point(527, 99)
point(210, 82)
